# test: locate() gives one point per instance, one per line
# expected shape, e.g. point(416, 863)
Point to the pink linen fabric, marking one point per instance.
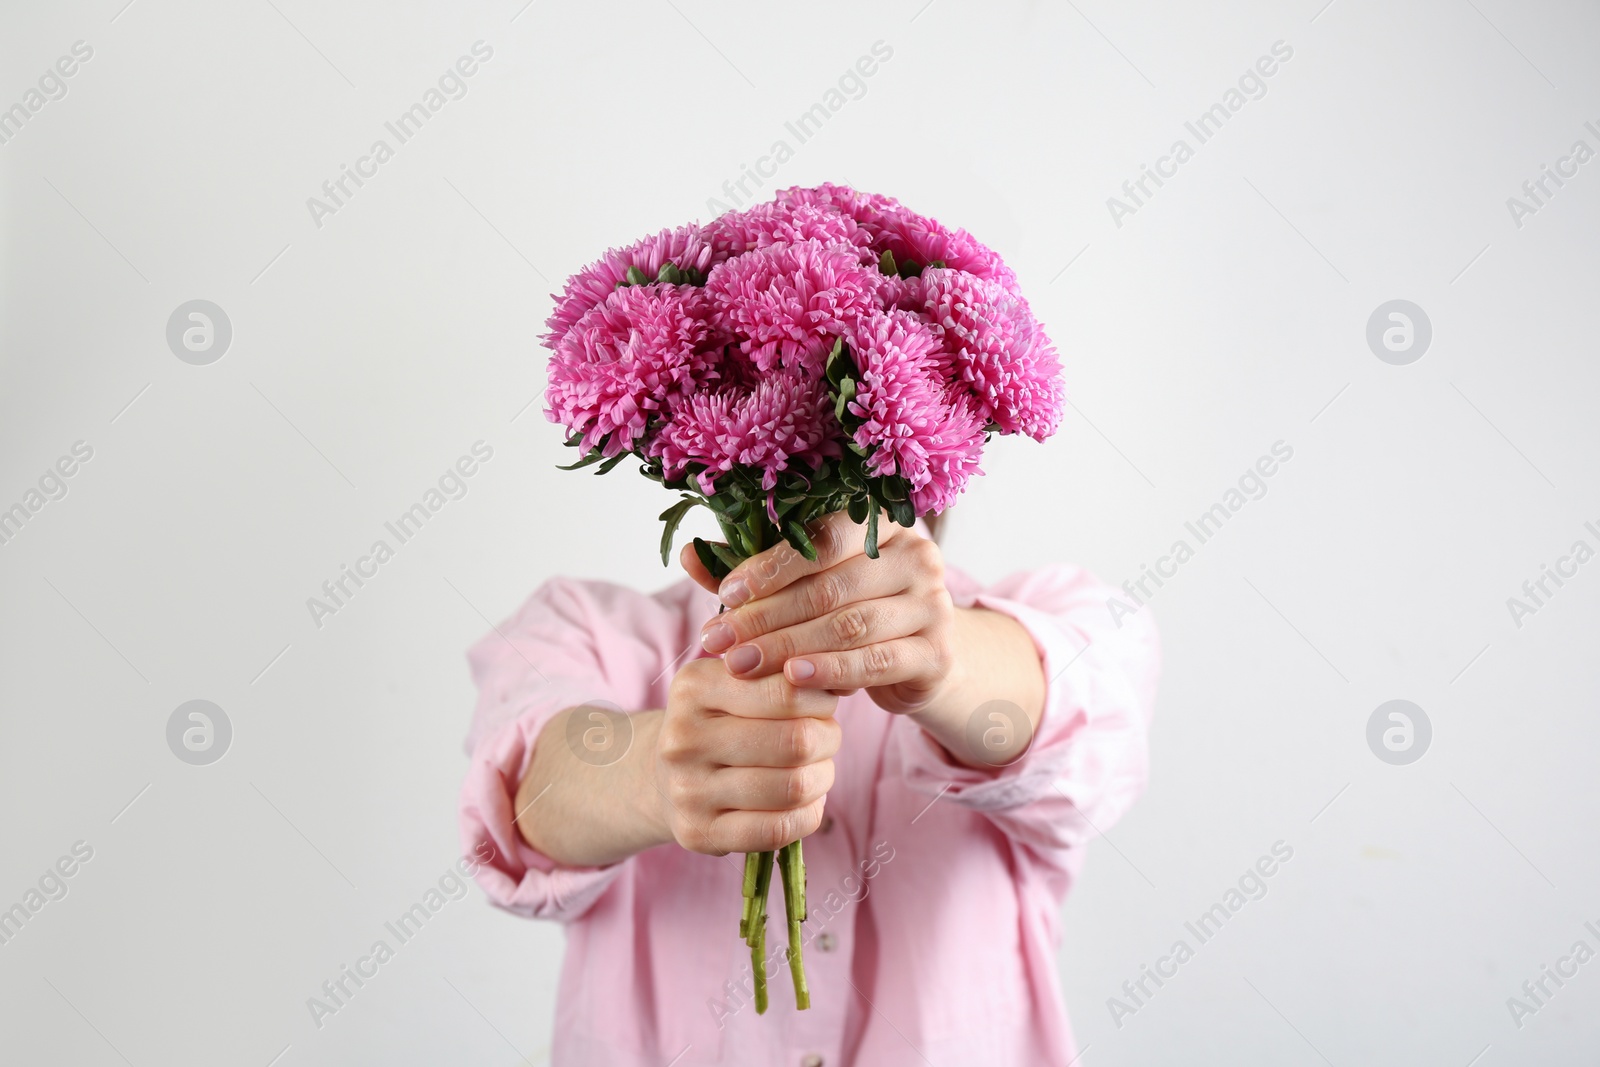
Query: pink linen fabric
point(934, 889)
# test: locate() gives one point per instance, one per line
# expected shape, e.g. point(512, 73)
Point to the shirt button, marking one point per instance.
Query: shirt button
point(827, 943)
point(811, 1060)
point(827, 824)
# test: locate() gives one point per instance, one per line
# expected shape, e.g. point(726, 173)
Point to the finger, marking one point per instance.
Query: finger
point(810, 597)
point(908, 659)
point(769, 697)
point(854, 626)
point(836, 539)
point(767, 788)
point(764, 831)
point(735, 741)
point(696, 569)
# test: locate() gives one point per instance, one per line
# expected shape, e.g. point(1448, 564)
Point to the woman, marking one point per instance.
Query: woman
point(946, 750)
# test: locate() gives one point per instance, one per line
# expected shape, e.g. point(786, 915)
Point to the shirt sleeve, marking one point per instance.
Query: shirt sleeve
point(1089, 758)
point(572, 643)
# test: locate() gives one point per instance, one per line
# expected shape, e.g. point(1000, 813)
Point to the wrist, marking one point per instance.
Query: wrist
point(649, 804)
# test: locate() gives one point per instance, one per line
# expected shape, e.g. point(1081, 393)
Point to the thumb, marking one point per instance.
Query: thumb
point(690, 559)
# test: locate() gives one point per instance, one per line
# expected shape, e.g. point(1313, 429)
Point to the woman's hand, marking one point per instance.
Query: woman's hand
point(842, 622)
point(742, 765)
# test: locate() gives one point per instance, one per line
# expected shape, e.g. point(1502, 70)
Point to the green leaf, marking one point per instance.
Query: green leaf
point(609, 465)
point(637, 277)
point(886, 263)
point(694, 276)
point(909, 269)
point(902, 512)
point(872, 531)
point(847, 393)
point(672, 517)
point(839, 363)
point(746, 542)
point(594, 456)
point(858, 508)
point(795, 534)
point(936, 264)
point(669, 273)
point(709, 558)
point(730, 559)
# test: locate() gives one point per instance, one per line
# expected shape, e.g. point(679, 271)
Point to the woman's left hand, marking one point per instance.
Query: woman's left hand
point(842, 622)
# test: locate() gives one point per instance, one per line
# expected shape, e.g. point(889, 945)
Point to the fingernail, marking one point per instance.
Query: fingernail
point(801, 669)
point(734, 591)
point(742, 659)
point(718, 637)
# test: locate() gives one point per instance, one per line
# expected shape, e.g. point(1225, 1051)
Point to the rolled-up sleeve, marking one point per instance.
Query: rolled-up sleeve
point(572, 643)
point(1089, 758)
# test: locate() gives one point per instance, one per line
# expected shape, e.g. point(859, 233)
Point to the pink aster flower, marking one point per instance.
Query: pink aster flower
point(785, 419)
point(918, 239)
point(997, 350)
point(787, 302)
point(685, 247)
point(911, 423)
point(869, 210)
point(738, 232)
point(626, 357)
point(953, 451)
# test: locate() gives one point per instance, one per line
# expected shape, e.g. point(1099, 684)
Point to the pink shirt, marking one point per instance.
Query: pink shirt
point(934, 889)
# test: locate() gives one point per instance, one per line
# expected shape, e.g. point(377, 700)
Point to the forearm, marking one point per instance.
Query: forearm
point(583, 815)
point(995, 661)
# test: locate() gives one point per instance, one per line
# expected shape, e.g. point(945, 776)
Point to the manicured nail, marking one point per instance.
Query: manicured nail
point(742, 659)
point(734, 591)
point(801, 669)
point(716, 638)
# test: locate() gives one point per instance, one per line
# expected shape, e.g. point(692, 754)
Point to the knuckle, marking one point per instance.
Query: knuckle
point(679, 690)
point(827, 591)
point(928, 559)
point(876, 660)
point(688, 683)
point(679, 794)
point(777, 647)
point(672, 743)
point(799, 742)
point(828, 539)
point(850, 625)
point(795, 784)
point(778, 830)
point(748, 620)
point(778, 697)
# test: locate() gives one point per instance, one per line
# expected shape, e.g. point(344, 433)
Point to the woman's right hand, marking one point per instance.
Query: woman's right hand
point(742, 765)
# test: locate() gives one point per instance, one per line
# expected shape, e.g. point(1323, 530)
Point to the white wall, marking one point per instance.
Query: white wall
point(1227, 313)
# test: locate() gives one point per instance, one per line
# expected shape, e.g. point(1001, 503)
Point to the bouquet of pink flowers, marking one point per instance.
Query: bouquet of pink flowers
point(831, 350)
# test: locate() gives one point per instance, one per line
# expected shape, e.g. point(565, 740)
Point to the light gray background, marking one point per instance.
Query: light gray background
point(368, 354)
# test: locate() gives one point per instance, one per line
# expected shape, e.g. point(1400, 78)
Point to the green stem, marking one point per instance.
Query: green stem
point(752, 861)
point(758, 931)
point(792, 865)
point(758, 533)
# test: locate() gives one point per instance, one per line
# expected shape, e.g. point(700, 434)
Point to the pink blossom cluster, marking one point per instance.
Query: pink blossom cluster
point(705, 348)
